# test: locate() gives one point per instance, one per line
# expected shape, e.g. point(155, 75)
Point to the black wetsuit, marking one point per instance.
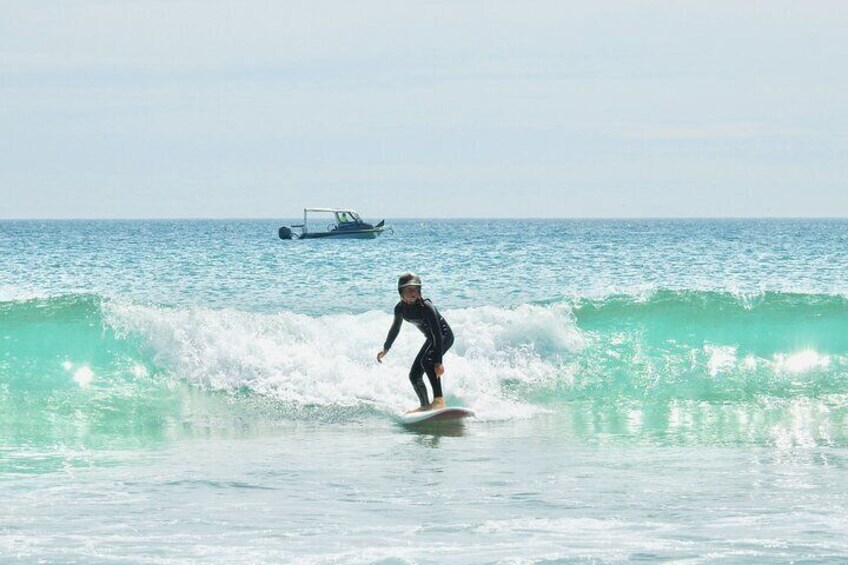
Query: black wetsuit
point(439, 339)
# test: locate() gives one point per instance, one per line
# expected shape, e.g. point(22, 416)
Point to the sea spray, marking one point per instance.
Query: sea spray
point(329, 361)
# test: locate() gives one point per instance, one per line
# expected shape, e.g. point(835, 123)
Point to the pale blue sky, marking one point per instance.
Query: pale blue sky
point(142, 108)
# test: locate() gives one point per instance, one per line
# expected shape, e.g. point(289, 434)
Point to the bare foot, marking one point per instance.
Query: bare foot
point(438, 403)
point(418, 409)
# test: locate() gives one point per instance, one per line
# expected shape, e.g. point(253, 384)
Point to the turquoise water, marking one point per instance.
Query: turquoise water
point(183, 391)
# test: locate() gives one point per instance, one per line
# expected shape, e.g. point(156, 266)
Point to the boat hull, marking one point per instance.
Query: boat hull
point(363, 234)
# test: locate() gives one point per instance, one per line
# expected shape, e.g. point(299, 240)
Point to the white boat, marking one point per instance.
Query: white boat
point(347, 224)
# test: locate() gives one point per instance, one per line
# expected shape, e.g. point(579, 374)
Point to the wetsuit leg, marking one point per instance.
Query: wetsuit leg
point(416, 374)
point(435, 381)
point(429, 367)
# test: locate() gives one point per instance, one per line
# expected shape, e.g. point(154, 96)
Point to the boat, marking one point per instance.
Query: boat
point(348, 224)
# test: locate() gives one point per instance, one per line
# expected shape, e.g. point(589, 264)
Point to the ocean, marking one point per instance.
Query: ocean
point(203, 392)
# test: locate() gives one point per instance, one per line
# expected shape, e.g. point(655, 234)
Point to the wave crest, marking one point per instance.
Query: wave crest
point(506, 362)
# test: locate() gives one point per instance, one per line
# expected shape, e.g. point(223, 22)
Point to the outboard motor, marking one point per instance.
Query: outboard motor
point(285, 233)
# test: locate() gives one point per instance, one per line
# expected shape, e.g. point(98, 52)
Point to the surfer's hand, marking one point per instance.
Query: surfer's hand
point(381, 355)
point(440, 370)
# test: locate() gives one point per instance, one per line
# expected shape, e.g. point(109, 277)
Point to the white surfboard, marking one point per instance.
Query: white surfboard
point(453, 413)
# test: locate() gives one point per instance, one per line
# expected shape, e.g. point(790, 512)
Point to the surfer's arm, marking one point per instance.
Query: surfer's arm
point(393, 331)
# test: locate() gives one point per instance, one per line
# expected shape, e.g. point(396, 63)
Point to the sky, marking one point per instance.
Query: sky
point(257, 109)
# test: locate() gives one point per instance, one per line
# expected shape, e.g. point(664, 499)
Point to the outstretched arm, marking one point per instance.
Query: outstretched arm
point(393, 333)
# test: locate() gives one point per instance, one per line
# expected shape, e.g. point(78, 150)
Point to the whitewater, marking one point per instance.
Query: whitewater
point(652, 390)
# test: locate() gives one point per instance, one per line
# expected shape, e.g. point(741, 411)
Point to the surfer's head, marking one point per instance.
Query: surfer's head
point(409, 287)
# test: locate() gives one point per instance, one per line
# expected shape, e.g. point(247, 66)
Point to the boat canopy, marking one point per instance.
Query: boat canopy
point(337, 211)
point(328, 210)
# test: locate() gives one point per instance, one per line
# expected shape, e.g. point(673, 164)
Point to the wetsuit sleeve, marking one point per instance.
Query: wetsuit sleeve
point(393, 331)
point(431, 317)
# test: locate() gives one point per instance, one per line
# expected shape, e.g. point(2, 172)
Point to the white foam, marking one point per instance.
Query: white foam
point(802, 362)
point(722, 359)
point(331, 360)
point(83, 376)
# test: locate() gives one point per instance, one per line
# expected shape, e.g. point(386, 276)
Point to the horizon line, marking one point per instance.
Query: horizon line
point(406, 218)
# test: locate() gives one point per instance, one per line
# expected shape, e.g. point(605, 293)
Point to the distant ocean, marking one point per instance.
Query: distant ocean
point(204, 392)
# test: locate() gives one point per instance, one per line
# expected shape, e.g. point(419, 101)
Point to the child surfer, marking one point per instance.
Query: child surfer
point(439, 338)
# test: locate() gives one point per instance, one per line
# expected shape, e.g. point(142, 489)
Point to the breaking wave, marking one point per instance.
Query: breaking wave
point(83, 369)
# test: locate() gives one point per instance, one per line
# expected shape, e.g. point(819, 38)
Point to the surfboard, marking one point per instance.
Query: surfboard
point(454, 413)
